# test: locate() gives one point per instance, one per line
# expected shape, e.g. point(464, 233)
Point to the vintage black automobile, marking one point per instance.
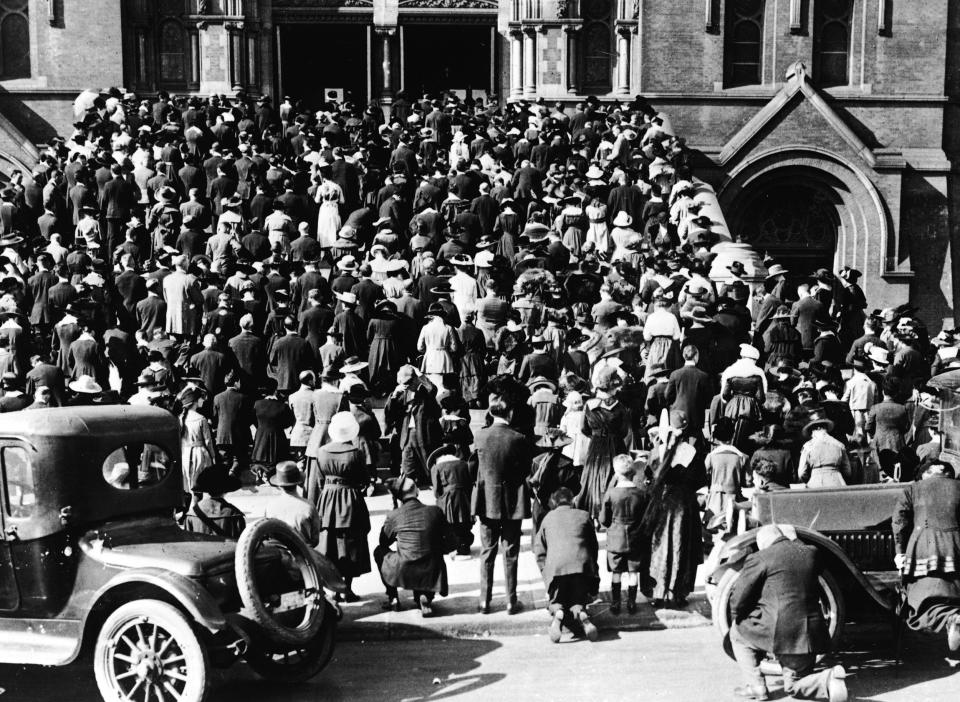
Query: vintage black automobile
point(851, 528)
point(93, 561)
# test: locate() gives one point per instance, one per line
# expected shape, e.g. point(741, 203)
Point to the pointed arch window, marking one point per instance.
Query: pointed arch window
point(14, 39)
point(831, 42)
point(596, 45)
point(743, 43)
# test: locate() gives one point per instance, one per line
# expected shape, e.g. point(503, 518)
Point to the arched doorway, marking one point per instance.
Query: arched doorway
point(793, 215)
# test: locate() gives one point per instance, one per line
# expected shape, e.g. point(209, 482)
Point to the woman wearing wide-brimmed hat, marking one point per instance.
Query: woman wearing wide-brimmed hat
point(197, 450)
point(823, 460)
point(607, 422)
point(335, 484)
point(781, 340)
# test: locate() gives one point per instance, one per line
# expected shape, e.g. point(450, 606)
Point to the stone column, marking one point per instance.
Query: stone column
point(235, 31)
point(572, 58)
point(623, 60)
point(386, 67)
point(516, 64)
point(530, 62)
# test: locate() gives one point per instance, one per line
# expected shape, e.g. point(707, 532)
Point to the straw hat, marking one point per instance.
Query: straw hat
point(85, 384)
point(622, 219)
point(343, 427)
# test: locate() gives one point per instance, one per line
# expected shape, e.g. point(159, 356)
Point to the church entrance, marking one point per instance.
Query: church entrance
point(317, 58)
point(447, 57)
point(794, 221)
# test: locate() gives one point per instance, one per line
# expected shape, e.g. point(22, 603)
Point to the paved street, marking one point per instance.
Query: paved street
point(682, 665)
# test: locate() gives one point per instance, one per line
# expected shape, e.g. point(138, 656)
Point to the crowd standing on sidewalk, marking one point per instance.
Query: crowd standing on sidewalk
point(272, 273)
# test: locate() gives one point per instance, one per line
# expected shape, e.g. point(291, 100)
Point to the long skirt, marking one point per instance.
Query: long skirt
point(676, 547)
point(328, 223)
point(597, 472)
point(665, 350)
point(473, 376)
point(932, 601)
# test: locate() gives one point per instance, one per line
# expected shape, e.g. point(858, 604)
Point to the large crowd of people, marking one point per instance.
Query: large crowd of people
point(271, 274)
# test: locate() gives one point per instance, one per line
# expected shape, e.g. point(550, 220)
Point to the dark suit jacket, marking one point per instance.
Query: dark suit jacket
point(567, 545)
point(119, 198)
point(52, 377)
point(250, 355)
point(804, 313)
point(774, 601)
point(417, 563)
point(501, 461)
point(39, 287)
point(691, 390)
point(290, 355)
point(234, 414)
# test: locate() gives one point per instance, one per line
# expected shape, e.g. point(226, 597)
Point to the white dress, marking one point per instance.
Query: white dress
point(330, 197)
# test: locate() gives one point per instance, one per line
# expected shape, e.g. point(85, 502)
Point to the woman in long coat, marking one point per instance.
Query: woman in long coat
point(672, 519)
point(926, 531)
point(439, 344)
point(607, 422)
point(336, 488)
point(197, 450)
point(473, 368)
point(270, 443)
point(327, 401)
point(385, 335)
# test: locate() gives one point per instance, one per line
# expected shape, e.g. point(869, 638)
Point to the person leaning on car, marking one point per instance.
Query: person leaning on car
point(212, 514)
point(776, 610)
point(926, 532)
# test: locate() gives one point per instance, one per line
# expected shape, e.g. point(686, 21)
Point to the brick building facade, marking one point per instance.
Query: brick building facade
point(827, 127)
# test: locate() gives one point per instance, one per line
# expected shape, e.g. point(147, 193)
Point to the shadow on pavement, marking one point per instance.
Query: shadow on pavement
point(423, 677)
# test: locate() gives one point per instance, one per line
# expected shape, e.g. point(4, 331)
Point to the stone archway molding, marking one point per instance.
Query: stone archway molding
point(863, 214)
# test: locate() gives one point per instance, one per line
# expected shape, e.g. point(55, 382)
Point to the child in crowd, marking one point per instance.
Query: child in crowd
point(725, 465)
point(572, 425)
point(621, 513)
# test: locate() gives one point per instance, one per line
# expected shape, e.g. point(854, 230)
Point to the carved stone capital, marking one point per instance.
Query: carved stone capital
point(571, 29)
point(385, 32)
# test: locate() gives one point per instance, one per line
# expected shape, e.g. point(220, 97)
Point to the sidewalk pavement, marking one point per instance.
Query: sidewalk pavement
point(456, 616)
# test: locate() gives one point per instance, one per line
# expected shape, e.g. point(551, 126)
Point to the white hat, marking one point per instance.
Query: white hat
point(748, 351)
point(343, 427)
point(622, 219)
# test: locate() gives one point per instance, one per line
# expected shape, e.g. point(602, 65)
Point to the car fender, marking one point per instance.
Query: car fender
point(189, 594)
point(733, 552)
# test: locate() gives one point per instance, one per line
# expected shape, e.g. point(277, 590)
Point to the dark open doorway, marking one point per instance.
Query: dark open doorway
point(438, 58)
point(796, 223)
point(315, 58)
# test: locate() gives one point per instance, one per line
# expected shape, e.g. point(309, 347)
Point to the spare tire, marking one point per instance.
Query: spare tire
point(309, 596)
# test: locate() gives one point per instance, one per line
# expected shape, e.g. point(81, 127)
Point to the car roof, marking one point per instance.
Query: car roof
point(84, 421)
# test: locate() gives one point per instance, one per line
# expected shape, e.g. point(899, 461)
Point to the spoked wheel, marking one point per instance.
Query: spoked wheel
point(147, 651)
point(298, 664)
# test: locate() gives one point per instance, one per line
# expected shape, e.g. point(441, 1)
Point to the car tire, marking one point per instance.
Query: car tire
point(298, 664)
point(254, 607)
point(149, 643)
point(831, 599)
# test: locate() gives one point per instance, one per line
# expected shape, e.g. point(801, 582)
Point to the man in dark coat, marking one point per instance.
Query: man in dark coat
point(420, 532)
point(291, 354)
point(249, 353)
point(211, 365)
point(501, 500)
point(212, 514)
point(45, 374)
point(412, 412)
point(39, 287)
point(119, 198)
point(776, 610)
point(566, 550)
point(690, 389)
point(233, 413)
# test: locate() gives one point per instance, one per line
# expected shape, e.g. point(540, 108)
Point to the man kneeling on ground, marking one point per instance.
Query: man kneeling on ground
point(566, 551)
point(422, 536)
point(776, 609)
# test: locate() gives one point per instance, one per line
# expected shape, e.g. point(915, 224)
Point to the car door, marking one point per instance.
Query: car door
point(19, 502)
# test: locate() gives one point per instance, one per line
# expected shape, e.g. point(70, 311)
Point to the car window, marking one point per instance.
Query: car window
point(20, 496)
point(136, 466)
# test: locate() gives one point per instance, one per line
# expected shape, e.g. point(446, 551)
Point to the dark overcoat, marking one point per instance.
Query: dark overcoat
point(774, 601)
point(501, 461)
point(417, 563)
point(567, 545)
